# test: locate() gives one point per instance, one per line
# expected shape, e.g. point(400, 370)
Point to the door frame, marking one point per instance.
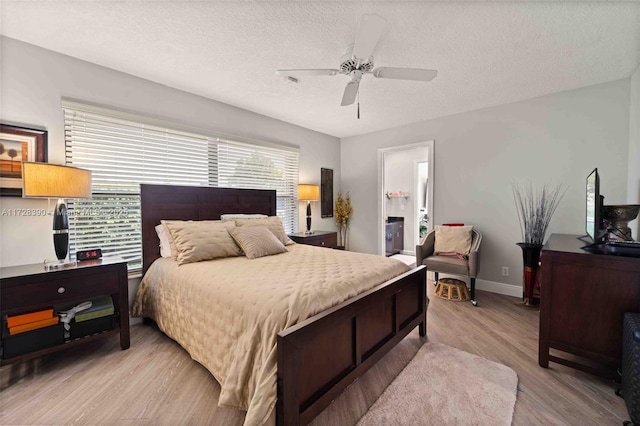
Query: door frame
point(430, 145)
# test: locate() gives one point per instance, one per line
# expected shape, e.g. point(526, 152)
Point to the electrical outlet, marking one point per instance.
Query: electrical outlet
point(505, 271)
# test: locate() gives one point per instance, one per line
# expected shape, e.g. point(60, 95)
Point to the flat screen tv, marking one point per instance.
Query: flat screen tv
point(593, 222)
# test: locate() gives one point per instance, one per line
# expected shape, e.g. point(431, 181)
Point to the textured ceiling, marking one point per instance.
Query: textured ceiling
point(486, 53)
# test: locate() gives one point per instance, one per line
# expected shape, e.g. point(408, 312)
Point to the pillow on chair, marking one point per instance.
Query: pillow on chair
point(453, 239)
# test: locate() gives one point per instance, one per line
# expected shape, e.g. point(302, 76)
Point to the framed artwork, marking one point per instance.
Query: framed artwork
point(326, 192)
point(18, 144)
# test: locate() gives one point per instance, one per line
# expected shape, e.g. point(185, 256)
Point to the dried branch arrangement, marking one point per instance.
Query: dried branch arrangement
point(535, 210)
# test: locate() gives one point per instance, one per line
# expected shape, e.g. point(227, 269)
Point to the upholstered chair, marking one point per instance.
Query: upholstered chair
point(467, 267)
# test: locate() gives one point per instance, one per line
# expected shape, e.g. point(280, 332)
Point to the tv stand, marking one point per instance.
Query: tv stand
point(583, 297)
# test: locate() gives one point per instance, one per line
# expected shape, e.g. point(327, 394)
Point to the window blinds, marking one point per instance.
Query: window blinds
point(123, 151)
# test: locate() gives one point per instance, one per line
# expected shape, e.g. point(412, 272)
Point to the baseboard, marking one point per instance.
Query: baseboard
point(485, 285)
point(500, 288)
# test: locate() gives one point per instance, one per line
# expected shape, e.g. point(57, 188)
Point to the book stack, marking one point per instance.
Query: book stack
point(32, 321)
point(31, 332)
point(96, 319)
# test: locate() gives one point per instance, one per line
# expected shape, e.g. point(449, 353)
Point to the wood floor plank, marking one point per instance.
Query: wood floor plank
point(155, 382)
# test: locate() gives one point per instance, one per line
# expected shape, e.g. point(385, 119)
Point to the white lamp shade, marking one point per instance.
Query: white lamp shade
point(44, 180)
point(308, 192)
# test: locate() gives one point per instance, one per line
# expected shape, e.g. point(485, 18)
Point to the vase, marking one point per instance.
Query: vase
point(530, 258)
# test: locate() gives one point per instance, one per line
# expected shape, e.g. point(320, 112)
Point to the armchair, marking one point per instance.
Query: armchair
point(451, 265)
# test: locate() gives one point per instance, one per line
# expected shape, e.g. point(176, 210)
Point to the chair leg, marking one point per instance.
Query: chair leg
point(436, 280)
point(473, 292)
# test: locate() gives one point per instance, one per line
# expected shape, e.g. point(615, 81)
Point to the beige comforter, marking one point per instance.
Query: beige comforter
point(227, 312)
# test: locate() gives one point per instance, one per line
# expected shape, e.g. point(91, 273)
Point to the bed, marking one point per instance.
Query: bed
point(317, 342)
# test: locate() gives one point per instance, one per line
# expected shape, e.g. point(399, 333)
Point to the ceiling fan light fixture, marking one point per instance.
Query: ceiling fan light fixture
point(357, 61)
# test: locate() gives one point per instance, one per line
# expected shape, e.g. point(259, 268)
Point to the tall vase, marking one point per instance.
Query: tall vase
point(530, 257)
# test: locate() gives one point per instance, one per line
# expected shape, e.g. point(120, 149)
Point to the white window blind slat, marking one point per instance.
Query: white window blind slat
point(123, 153)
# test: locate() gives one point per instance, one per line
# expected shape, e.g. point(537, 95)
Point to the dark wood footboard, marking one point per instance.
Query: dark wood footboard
point(318, 358)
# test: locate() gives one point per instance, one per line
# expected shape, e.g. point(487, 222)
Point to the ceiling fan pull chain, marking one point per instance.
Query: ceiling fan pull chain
point(358, 105)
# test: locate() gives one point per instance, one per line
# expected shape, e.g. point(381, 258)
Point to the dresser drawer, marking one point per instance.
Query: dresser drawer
point(324, 239)
point(56, 290)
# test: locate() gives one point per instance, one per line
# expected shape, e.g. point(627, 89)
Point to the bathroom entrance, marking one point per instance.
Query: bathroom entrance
point(406, 197)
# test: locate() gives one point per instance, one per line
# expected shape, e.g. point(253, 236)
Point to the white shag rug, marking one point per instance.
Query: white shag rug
point(442, 385)
point(409, 260)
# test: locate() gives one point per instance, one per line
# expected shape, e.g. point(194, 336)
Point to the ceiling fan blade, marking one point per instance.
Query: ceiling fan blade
point(405, 73)
point(350, 92)
point(305, 73)
point(371, 28)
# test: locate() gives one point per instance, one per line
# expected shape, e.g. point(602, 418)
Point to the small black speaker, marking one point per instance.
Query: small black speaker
point(631, 365)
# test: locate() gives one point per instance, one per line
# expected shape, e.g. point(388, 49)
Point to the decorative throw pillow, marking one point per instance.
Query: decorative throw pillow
point(257, 241)
point(273, 223)
point(202, 240)
point(453, 239)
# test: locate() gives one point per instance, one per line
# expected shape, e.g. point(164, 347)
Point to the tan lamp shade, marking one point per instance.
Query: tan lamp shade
point(44, 180)
point(308, 192)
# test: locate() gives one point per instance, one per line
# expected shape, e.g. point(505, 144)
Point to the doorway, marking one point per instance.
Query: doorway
point(405, 188)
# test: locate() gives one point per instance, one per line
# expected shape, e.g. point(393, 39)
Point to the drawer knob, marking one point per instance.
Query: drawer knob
point(61, 290)
point(322, 243)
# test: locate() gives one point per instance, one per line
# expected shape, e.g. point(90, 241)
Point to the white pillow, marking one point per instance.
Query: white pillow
point(165, 245)
point(453, 239)
point(231, 216)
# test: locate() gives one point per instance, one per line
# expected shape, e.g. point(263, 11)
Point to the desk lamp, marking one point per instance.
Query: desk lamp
point(44, 180)
point(308, 193)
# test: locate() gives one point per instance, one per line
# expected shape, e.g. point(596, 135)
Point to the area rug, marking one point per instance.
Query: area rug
point(409, 260)
point(442, 385)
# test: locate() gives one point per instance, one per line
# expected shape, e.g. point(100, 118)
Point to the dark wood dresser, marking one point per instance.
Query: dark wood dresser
point(29, 288)
point(327, 239)
point(583, 298)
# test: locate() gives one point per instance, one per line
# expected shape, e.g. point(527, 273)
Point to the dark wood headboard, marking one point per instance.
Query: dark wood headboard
point(169, 202)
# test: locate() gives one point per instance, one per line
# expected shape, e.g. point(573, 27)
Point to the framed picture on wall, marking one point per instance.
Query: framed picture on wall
point(326, 192)
point(18, 144)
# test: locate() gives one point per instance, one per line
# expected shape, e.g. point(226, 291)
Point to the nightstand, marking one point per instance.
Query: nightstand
point(29, 288)
point(327, 239)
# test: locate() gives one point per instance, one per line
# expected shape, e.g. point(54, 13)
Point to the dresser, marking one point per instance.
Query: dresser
point(29, 288)
point(583, 298)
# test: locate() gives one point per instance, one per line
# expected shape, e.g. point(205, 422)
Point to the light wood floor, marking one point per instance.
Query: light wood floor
point(156, 382)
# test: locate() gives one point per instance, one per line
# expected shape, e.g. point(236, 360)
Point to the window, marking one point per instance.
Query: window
point(123, 151)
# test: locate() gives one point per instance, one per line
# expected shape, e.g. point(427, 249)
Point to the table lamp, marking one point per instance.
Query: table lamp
point(308, 193)
point(44, 180)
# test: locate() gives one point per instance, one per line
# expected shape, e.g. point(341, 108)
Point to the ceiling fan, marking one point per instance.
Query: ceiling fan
point(358, 61)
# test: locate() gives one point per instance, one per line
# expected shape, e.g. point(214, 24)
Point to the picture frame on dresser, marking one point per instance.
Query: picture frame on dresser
point(18, 144)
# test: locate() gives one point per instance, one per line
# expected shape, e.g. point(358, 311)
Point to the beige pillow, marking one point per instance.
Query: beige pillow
point(273, 223)
point(453, 239)
point(202, 240)
point(257, 241)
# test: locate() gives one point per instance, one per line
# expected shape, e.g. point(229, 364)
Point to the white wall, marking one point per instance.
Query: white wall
point(33, 81)
point(633, 181)
point(558, 138)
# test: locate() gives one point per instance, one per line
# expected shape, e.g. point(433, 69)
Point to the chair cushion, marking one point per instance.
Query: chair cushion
point(447, 265)
point(453, 239)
